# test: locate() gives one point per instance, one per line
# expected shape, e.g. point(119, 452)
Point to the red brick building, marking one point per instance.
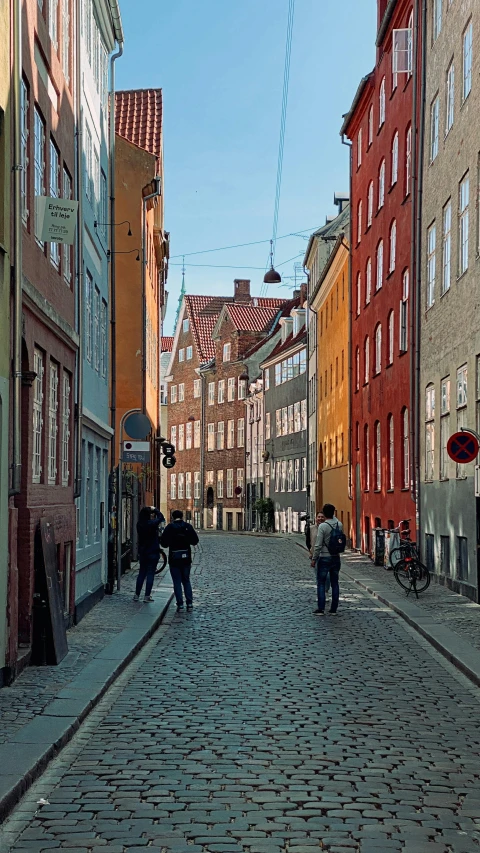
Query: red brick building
point(206, 402)
point(381, 126)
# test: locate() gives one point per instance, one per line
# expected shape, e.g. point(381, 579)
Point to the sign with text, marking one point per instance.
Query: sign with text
point(56, 218)
point(136, 451)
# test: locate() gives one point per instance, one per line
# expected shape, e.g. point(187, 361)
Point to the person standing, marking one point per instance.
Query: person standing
point(311, 537)
point(329, 544)
point(178, 537)
point(149, 520)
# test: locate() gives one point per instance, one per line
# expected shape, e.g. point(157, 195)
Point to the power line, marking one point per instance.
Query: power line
point(241, 245)
point(234, 266)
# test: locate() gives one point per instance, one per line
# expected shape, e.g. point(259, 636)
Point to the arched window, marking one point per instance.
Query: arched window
point(381, 104)
point(429, 431)
point(391, 452)
point(378, 457)
point(366, 359)
point(378, 348)
point(381, 185)
point(406, 449)
point(395, 159)
point(370, 204)
point(379, 281)
point(359, 148)
point(370, 125)
point(357, 369)
point(368, 281)
point(408, 160)
point(359, 221)
point(393, 246)
point(359, 292)
point(391, 333)
point(366, 459)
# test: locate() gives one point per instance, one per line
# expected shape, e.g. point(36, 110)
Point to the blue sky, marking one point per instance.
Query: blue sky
point(220, 65)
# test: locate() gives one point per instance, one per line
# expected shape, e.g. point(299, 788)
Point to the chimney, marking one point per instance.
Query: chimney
point(303, 293)
point(341, 200)
point(242, 290)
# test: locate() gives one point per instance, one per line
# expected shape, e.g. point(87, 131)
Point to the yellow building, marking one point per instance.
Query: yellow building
point(330, 302)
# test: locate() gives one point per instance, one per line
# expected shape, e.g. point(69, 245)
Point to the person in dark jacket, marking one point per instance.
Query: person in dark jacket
point(178, 537)
point(149, 520)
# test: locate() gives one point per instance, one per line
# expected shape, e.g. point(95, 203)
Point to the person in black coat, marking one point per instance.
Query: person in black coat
point(178, 537)
point(149, 520)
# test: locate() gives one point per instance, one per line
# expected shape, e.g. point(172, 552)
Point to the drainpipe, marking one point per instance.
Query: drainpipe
point(307, 432)
point(156, 194)
point(17, 257)
point(79, 259)
point(113, 312)
point(349, 349)
point(202, 452)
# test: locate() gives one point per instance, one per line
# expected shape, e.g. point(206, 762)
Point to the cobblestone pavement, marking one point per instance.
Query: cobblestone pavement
point(455, 611)
point(253, 725)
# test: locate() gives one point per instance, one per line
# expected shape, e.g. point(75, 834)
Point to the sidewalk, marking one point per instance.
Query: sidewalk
point(43, 708)
point(450, 622)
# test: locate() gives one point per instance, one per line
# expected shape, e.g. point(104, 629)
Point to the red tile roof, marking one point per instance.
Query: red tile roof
point(246, 318)
point(286, 308)
point(167, 344)
point(290, 342)
point(138, 118)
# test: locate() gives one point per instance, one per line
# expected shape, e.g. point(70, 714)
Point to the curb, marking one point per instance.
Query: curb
point(26, 756)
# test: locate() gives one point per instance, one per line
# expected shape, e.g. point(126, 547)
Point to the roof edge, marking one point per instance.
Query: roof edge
point(117, 21)
point(385, 22)
point(358, 94)
point(331, 258)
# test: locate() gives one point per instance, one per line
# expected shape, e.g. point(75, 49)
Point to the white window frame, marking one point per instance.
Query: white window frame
point(181, 392)
point(463, 223)
point(220, 435)
point(189, 435)
point(434, 127)
point(173, 487)
point(378, 349)
point(39, 162)
point(391, 453)
point(381, 185)
point(359, 148)
point(231, 389)
point(189, 353)
point(197, 387)
point(181, 354)
point(406, 449)
point(210, 437)
point(38, 385)
point(221, 391)
point(242, 388)
point(366, 360)
point(66, 391)
point(88, 316)
point(229, 492)
point(371, 190)
point(181, 486)
point(196, 485)
point(403, 314)
point(391, 337)
point(381, 104)
point(436, 19)
point(467, 60)
point(96, 329)
point(359, 293)
point(196, 434)
point(227, 352)
point(173, 393)
point(24, 110)
point(52, 423)
point(379, 276)
point(67, 250)
point(368, 281)
point(429, 432)
point(188, 485)
point(370, 125)
point(431, 263)
point(359, 221)
point(395, 159)
point(230, 433)
point(408, 161)
point(220, 484)
point(450, 100)
point(447, 247)
point(181, 437)
point(393, 246)
point(241, 432)
point(54, 193)
point(211, 393)
point(378, 457)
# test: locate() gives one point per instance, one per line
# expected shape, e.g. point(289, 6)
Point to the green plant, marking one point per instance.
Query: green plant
point(265, 512)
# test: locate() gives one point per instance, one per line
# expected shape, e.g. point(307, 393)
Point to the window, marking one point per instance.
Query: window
point(366, 459)
point(359, 148)
point(173, 394)
point(447, 247)
point(278, 422)
point(359, 292)
point(53, 22)
point(219, 484)
point(67, 250)
point(196, 485)
point(381, 104)
point(391, 453)
point(197, 387)
point(66, 40)
point(285, 420)
point(241, 432)
point(303, 413)
point(181, 486)
point(38, 366)
point(444, 426)
point(211, 393)
point(406, 450)
point(229, 482)
point(55, 193)
point(450, 105)
point(227, 350)
point(242, 388)
point(181, 437)
point(221, 391)
point(395, 159)
point(173, 436)
point(24, 149)
point(52, 423)
point(240, 478)
point(370, 204)
point(379, 281)
point(368, 281)
point(462, 556)
point(181, 392)
point(220, 435)
point(429, 431)
point(408, 161)
point(393, 246)
point(404, 312)
point(231, 389)
point(303, 360)
point(462, 386)
point(231, 433)
point(96, 182)
point(359, 222)
point(434, 121)
point(266, 378)
point(381, 185)
point(189, 353)
point(467, 61)
point(38, 160)
point(366, 360)
point(445, 555)
point(173, 487)
point(211, 437)
point(181, 354)
point(88, 172)
point(370, 125)
point(267, 425)
point(278, 374)
point(189, 436)
point(186, 325)
point(290, 475)
point(188, 484)
point(437, 18)
point(196, 434)
point(431, 264)
point(378, 457)
point(357, 368)
point(463, 220)
point(378, 348)
point(88, 316)
point(65, 429)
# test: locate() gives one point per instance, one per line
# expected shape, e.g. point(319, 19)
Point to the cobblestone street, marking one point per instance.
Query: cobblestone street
point(253, 725)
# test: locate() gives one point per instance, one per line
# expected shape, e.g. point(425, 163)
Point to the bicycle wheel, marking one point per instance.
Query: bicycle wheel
point(401, 573)
point(420, 574)
point(162, 562)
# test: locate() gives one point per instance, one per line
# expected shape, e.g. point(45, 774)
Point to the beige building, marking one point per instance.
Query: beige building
point(449, 318)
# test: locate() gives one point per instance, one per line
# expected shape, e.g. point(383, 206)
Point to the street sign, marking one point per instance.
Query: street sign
point(169, 461)
point(137, 425)
point(168, 449)
point(136, 451)
point(462, 447)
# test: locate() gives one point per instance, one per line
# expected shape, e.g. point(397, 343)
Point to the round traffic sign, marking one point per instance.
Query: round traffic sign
point(137, 425)
point(168, 461)
point(168, 449)
point(462, 447)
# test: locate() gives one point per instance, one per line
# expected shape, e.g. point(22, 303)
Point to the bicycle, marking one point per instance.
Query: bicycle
point(408, 570)
point(162, 562)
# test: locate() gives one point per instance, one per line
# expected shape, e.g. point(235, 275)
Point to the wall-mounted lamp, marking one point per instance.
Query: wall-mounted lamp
point(109, 253)
point(114, 224)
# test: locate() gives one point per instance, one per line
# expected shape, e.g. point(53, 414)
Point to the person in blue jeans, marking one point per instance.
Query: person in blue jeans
point(327, 565)
point(178, 537)
point(149, 520)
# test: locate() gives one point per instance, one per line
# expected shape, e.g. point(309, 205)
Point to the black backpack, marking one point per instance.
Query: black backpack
point(337, 542)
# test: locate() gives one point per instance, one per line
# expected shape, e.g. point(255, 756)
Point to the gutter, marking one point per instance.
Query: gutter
point(349, 348)
point(157, 192)
point(358, 95)
point(117, 22)
point(385, 22)
point(17, 256)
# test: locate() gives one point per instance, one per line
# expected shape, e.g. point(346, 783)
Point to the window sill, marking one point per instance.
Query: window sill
point(402, 352)
point(390, 274)
point(462, 275)
point(444, 479)
point(390, 491)
point(445, 292)
point(392, 187)
point(390, 364)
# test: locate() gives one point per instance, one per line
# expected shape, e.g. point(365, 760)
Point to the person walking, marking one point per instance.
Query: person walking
point(310, 539)
point(149, 520)
point(178, 537)
point(329, 544)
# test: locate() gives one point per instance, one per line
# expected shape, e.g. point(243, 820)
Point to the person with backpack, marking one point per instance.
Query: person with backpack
point(329, 544)
point(178, 537)
point(149, 520)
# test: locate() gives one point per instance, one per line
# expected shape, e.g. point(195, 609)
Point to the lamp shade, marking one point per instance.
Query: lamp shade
point(272, 277)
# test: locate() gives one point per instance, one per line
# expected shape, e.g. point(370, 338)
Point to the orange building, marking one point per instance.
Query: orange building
point(141, 260)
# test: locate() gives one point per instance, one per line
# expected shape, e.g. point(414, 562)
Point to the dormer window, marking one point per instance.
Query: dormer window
point(186, 325)
point(227, 352)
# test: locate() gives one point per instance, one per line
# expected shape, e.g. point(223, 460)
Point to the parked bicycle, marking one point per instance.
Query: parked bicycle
point(408, 569)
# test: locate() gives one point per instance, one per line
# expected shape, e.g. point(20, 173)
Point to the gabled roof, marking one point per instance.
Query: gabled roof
point(138, 118)
point(289, 343)
point(284, 311)
point(166, 344)
point(247, 318)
